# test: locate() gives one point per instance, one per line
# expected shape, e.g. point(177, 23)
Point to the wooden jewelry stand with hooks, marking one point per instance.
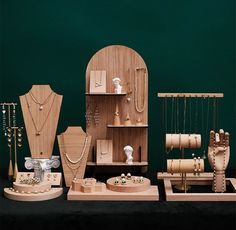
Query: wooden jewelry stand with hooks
point(123, 118)
point(188, 168)
point(74, 145)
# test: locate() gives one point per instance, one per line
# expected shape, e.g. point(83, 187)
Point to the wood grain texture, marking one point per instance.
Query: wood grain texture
point(127, 64)
point(41, 146)
point(72, 142)
point(171, 196)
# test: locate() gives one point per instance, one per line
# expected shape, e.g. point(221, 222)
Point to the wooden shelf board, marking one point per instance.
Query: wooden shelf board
point(127, 126)
point(105, 94)
point(143, 163)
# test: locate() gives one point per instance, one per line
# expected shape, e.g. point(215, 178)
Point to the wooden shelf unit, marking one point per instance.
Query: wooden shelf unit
point(128, 65)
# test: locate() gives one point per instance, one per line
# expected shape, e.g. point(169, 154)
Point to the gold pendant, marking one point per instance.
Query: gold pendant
point(40, 107)
point(38, 134)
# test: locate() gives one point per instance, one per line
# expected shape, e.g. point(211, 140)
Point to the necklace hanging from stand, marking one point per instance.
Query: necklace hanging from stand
point(41, 104)
point(71, 164)
point(39, 130)
point(139, 108)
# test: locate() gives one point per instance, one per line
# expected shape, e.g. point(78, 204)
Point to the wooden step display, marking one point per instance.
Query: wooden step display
point(134, 188)
point(74, 146)
point(28, 188)
point(41, 108)
point(120, 113)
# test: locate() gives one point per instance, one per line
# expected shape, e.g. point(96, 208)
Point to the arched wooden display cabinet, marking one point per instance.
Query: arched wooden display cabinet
point(131, 105)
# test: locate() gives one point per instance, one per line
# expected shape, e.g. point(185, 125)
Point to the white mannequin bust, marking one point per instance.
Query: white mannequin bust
point(118, 88)
point(128, 151)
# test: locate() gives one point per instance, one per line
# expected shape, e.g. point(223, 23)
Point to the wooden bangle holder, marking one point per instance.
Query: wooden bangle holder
point(122, 118)
point(180, 141)
point(90, 189)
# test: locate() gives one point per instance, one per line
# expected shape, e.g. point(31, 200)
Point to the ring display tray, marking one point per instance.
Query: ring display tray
point(171, 195)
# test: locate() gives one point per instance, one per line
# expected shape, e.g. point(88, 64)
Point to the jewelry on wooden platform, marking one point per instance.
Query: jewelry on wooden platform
point(30, 181)
point(129, 176)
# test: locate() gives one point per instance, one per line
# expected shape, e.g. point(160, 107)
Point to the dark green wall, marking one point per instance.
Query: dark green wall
point(188, 46)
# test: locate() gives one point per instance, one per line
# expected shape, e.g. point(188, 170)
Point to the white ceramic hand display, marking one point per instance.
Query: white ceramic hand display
point(118, 88)
point(218, 156)
point(128, 151)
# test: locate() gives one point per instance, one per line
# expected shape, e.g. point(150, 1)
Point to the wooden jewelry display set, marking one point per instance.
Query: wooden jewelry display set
point(184, 173)
point(116, 118)
point(117, 108)
point(41, 108)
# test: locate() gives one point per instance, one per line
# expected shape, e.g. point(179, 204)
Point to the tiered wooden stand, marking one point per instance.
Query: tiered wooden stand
point(84, 190)
point(126, 64)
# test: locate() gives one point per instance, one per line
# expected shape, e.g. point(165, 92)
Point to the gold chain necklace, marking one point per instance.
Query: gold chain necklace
point(138, 109)
point(39, 103)
point(106, 149)
point(74, 165)
point(38, 131)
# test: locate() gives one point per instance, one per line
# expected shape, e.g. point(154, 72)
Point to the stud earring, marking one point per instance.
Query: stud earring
point(88, 116)
point(9, 136)
point(4, 120)
point(96, 116)
point(14, 115)
point(19, 137)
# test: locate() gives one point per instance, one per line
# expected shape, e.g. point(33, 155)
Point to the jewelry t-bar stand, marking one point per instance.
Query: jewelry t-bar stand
point(9, 120)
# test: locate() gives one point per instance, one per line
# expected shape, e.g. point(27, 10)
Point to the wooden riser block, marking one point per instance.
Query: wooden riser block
point(171, 196)
point(53, 193)
point(148, 195)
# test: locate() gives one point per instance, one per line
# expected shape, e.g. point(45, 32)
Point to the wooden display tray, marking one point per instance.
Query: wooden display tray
point(53, 193)
point(148, 195)
point(171, 196)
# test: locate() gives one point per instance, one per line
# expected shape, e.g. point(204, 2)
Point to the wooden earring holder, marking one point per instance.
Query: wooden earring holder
point(203, 179)
point(128, 65)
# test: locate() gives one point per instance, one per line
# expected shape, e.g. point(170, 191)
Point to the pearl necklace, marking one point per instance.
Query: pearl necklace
point(74, 165)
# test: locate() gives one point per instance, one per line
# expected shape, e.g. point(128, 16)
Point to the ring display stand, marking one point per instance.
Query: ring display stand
point(90, 189)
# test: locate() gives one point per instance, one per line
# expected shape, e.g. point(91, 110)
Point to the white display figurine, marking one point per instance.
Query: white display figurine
point(118, 88)
point(128, 151)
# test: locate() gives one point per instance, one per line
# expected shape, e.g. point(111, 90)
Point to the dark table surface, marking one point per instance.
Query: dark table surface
point(62, 214)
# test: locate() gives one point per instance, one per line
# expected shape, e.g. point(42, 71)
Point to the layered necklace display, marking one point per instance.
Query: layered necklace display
point(71, 164)
point(140, 108)
point(41, 105)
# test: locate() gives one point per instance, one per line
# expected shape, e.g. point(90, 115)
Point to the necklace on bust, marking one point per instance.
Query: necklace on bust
point(41, 104)
point(139, 108)
point(39, 130)
point(71, 164)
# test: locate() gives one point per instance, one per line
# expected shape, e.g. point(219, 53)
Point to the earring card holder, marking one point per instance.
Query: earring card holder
point(97, 81)
point(211, 196)
point(54, 178)
point(104, 152)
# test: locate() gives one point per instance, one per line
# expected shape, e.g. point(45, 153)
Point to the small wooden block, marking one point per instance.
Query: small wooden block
point(104, 152)
point(87, 188)
point(100, 187)
point(171, 196)
point(97, 81)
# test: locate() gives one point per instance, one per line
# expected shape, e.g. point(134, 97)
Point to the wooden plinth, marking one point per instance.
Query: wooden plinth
point(25, 188)
point(53, 193)
point(171, 196)
point(148, 195)
point(129, 187)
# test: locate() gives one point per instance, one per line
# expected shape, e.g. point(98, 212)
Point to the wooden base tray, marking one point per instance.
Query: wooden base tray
point(53, 193)
point(150, 194)
point(173, 196)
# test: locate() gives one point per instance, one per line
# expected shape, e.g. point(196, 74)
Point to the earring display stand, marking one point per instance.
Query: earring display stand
point(192, 176)
point(127, 65)
point(74, 145)
point(41, 108)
